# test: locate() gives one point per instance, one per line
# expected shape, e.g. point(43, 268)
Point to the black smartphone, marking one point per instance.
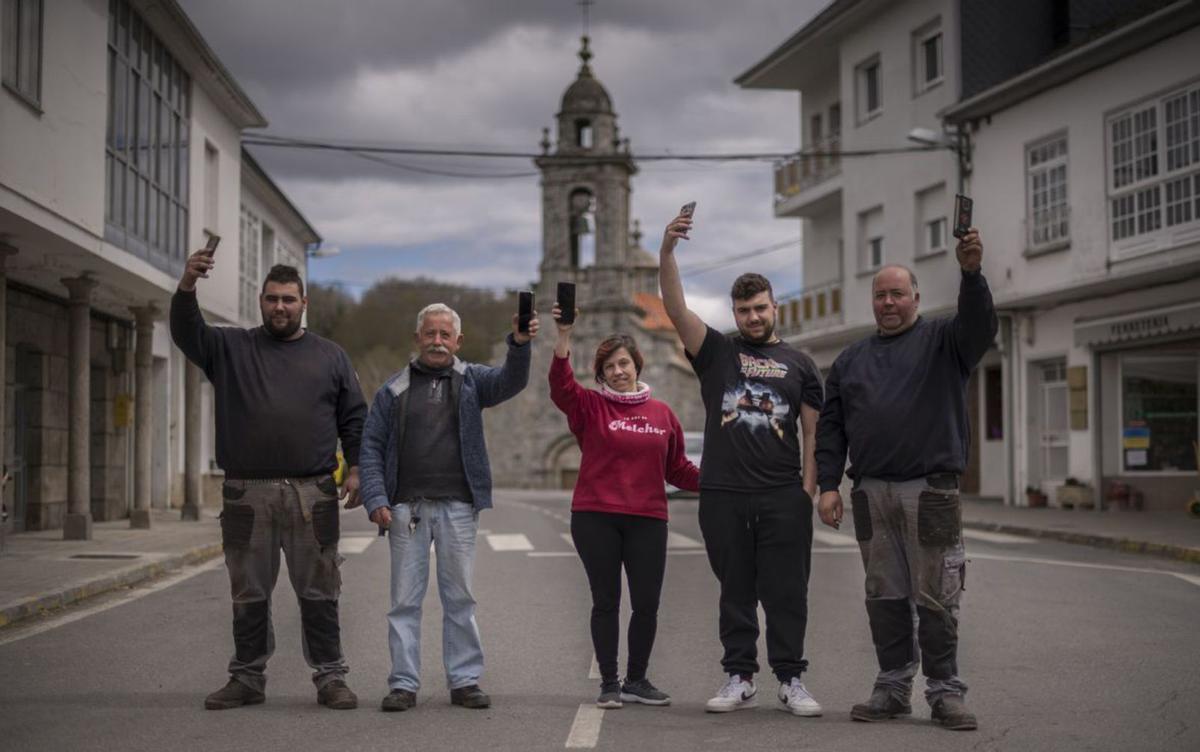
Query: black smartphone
point(213, 242)
point(962, 215)
point(566, 301)
point(524, 311)
point(688, 208)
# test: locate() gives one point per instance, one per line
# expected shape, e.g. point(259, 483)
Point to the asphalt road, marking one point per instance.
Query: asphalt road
point(1064, 647)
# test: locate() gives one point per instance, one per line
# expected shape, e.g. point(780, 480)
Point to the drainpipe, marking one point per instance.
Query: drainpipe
point(1011, 342)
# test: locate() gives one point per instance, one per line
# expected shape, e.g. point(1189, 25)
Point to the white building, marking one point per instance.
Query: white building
point(1078, 124)
point(120, 151)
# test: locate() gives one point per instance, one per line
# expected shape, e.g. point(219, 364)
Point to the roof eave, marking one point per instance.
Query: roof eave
point(758, 75)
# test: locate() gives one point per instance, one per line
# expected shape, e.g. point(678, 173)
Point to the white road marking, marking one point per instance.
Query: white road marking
point(679, 541)
point(1188, 577)
point(990, 537)
point(355, 544)
point(570, 541)
point(833, 539)
point(550, 554)
point(509, 542)
point(483, 531)
point(585, 731)
point(594, 671)
point(163, 583)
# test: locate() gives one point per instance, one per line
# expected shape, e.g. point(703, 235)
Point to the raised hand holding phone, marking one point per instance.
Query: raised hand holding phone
point(679, 227)
point(199, 264)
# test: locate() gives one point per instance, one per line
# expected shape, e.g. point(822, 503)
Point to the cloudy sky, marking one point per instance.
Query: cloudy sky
point(484, 75)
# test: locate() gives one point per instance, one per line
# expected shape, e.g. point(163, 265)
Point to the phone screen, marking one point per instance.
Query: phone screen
point(566, 301)
point(524, 311)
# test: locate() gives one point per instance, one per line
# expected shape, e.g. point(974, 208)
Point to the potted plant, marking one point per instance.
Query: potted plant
point(1034, 497)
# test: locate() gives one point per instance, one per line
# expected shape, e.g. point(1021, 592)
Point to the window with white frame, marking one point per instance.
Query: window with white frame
point(931, 220)
point(927, 56)
point(21, 44)
point(870, 234)
point(250, 237)
point(1046, 210)
point(867, 83)
point(1154, 167)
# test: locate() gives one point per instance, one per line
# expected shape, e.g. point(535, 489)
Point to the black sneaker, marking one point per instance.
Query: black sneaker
point(398, 700)
point(952, 713)
point(470, 697)
point(610, 696)
point(882, 706)
point(337, 695)
point(233, 695)
point(641, 690)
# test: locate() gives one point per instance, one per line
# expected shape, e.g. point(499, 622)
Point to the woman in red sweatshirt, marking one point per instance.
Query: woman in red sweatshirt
point(630, 444)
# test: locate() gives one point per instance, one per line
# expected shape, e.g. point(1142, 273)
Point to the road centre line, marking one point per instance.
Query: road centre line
point(1188, 578)
point(509, 542)
point(991, 537)
point(585, 731)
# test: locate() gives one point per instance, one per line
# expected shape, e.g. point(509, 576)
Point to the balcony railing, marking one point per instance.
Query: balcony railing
point(810, 309)
point(812, 166)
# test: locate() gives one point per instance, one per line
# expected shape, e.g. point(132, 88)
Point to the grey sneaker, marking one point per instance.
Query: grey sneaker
point(952, 713)
point(233, 695)
point(641, 690)
point(882, 706)
point(398, 700)
point(610, 696)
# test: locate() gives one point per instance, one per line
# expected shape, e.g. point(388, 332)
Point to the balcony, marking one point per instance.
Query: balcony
point(806, 178)
point(811, 309)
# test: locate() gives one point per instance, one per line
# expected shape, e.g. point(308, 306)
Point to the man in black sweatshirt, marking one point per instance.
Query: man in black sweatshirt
point(284, 396)
point(897, 403)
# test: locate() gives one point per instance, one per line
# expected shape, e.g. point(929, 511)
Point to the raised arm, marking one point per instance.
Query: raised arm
point(196, 339)
point(496, 385)
point(690, 327)
point(976, 324)
point(565, 392)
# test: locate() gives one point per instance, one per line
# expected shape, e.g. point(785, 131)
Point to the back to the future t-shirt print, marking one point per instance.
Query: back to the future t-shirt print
point(754, 405)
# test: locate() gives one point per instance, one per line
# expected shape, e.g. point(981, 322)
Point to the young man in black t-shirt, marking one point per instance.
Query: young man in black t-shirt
point(756, 496)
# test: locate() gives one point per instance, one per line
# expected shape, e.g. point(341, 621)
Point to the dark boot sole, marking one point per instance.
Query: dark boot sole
point(231, 705)
point(338, 705)
point(959, 726)
point(472, 704)
point(872, 717)
point(627, 697)
point(395, 708)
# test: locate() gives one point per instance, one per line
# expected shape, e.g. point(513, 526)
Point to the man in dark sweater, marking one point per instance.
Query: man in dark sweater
point(897, 403)
point(284, 396)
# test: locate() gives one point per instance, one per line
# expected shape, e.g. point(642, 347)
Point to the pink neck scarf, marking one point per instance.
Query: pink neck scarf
point(636, 397)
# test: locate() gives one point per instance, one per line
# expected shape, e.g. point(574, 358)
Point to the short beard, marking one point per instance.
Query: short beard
point(286, 332)
point(768, 335)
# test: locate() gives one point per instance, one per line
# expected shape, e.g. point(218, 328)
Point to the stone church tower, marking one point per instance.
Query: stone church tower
point(587, 239)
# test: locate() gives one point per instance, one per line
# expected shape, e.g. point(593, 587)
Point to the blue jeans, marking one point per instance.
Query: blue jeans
point(450, 526)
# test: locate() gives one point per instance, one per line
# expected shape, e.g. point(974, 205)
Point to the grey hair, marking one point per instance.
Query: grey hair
point(439, 308)
point(911, 276)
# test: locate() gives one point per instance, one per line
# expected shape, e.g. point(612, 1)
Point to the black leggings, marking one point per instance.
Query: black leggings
point(605, 542)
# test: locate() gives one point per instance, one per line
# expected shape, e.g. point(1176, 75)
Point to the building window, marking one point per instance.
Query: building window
point(1046, 193)
point(867, 82)
point(927, 57)
point(249, 252)
point(146, 152)
point(21, 45)
point(870, 243)
point(583, 134)
point(1159, 413)
point(931, 220)
point(1054, 416)
point(1154, 168)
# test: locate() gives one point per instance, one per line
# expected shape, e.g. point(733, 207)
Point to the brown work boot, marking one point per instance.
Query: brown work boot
point(952, 713)
point(233, 695)
point(470, 697)
point(398, 700)
point(882, 706)
point(337, 695)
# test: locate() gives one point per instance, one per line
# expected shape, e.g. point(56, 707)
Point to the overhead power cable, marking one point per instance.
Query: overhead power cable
point(726, 261)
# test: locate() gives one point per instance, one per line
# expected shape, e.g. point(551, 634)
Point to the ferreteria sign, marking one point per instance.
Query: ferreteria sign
point(1138, 325)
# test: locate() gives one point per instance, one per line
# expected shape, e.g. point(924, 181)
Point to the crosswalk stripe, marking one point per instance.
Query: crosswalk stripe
point(679, 540)
point(509, 542)
point(594, 671)
point(833, 539)
point(1188, 577)
point(355, 544)
point(995, 537)
point(585, 731)
point(567, 537)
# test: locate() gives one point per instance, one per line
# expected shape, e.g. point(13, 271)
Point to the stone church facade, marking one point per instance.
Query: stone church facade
point(587, 239)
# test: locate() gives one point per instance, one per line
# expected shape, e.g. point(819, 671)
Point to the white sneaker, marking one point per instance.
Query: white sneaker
point(737, 694)
point(794, 698)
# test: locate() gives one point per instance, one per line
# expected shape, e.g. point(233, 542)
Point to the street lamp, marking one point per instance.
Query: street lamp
point(957, 141)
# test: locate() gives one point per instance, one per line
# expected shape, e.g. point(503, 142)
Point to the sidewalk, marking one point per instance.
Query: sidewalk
point(39, 571)
point(1173, 535)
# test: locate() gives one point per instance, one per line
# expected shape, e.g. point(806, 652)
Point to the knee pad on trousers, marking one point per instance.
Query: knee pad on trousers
point(938, 635)
point(251, 629)
point(320, 620)
point(891, 631)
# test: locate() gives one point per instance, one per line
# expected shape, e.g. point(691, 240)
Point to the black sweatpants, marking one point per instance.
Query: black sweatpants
point(605, 542)
point(760, 546)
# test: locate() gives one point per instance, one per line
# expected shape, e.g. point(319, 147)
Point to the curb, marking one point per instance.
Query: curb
point(52, 601)
point(1125, 545)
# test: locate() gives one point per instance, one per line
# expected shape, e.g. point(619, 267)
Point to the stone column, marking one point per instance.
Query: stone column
point(143, 426)
point(77, 524)
point(191, 442)
point(6, 250)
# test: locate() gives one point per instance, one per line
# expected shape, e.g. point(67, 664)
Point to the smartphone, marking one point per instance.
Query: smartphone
point(213, 242)
point(687, 209)
point(566, 301)
point(524, 311)
point(962, 215)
